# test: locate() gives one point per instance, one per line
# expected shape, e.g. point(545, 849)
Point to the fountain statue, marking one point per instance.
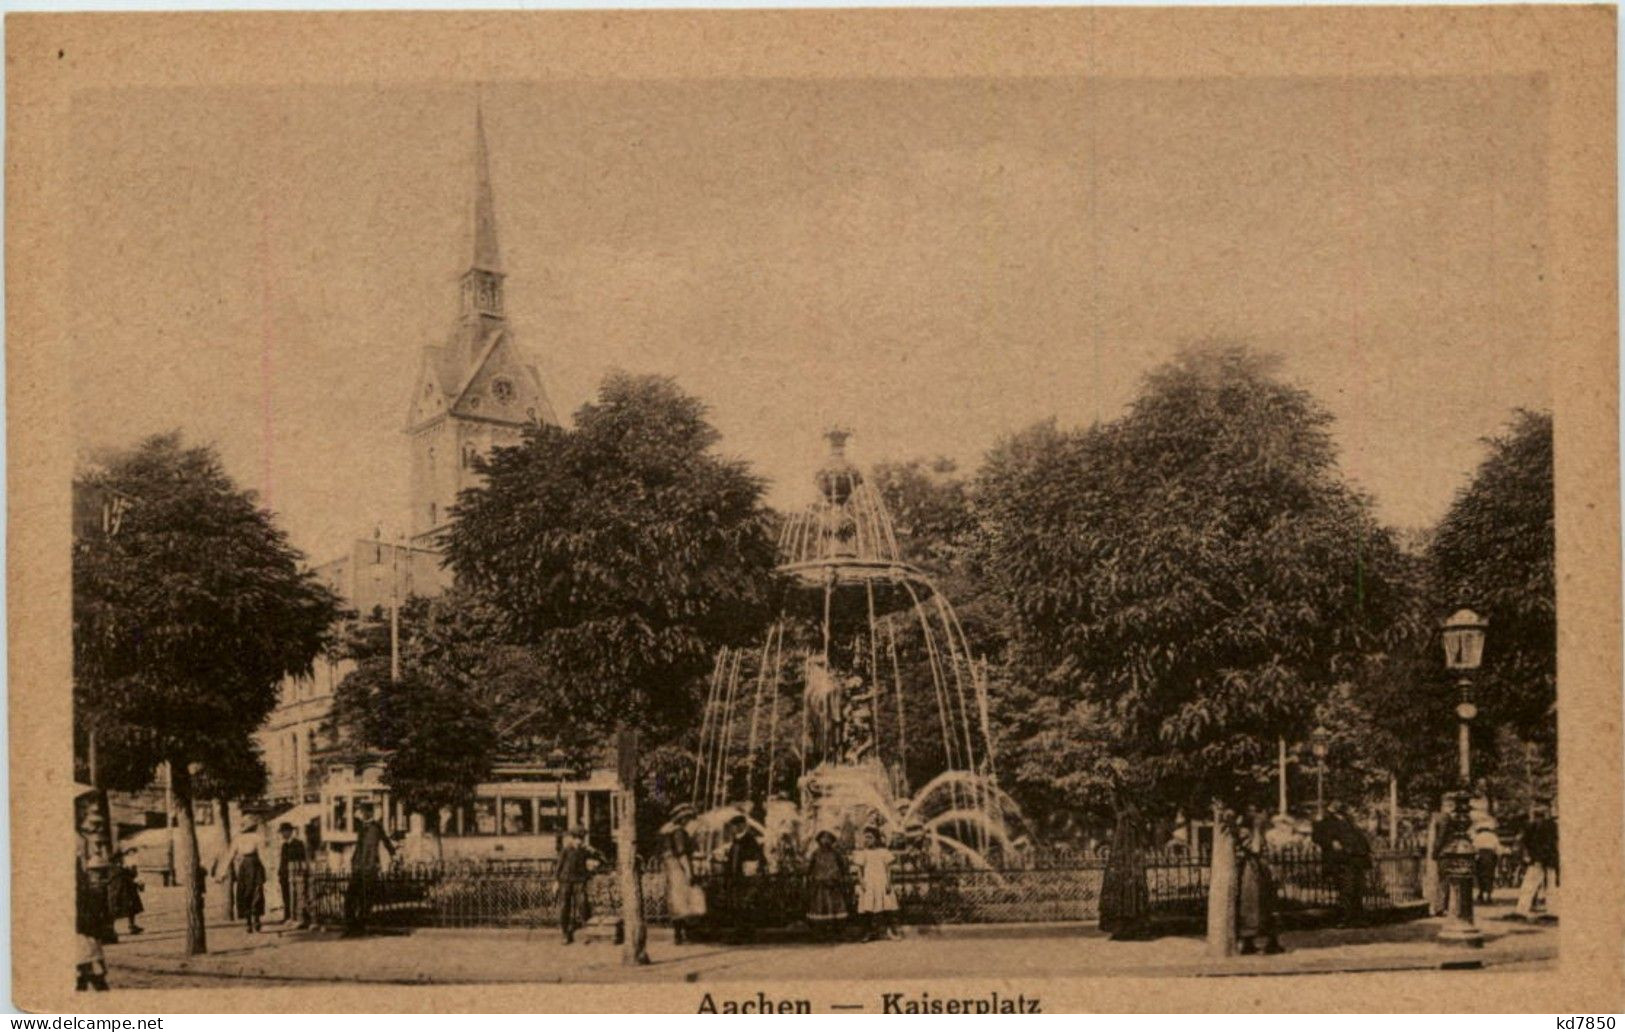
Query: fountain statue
point(863, 706)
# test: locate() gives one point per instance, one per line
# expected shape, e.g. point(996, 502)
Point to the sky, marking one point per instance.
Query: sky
point(933, 263)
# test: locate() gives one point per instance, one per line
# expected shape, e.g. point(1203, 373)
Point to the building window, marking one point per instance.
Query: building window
point(502, 390)
point(341, 813)
point(431, 458)
point(432, 514)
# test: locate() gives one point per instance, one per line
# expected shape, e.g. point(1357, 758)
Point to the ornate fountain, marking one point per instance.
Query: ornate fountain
point(863, 706)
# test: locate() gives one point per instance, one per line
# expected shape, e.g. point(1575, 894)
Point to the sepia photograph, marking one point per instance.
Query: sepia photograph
point(770, 531)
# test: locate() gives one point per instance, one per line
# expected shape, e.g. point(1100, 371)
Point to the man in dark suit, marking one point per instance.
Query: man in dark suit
point(291, 856)
point(364, 868)
point(1538, 845)
point(1346, 853)
point(574, 872)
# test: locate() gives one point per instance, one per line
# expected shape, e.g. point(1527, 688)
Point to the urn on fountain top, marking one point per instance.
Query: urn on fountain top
point(837, 478)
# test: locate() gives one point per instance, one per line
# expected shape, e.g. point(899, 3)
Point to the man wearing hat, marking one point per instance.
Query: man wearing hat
point(685, 900)
point(364, 867)
point(573, 873)
point(290, 856)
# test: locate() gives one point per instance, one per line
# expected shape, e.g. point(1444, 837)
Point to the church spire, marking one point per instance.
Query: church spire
point(486, 254)
point(482, 283)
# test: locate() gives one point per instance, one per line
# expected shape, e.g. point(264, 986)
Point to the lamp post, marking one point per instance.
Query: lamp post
point(1317, 739)
point(1463, 638)
point(556, 761)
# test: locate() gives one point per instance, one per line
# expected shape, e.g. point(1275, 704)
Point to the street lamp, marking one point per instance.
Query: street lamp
point(1317, 739)
point(1463, 638)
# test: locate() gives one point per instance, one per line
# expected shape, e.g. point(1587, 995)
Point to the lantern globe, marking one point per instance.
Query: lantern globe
point(1463, 639)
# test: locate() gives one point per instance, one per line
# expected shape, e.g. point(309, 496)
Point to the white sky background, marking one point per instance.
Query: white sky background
point(934, 263)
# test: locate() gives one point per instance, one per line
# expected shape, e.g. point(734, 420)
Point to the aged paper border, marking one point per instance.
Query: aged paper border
point(49, 57)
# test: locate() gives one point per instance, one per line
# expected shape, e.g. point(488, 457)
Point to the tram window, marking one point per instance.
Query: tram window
point(517, 817)
point(484, 816)
point(554, 814)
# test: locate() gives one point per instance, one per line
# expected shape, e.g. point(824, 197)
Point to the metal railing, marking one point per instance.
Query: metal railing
point(1047, 887)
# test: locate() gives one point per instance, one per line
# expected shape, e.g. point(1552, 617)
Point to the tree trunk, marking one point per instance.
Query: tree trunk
point(1224, 888)
point(186, 858)
point(1393, 811)
point(223, 809)
point(634, 948)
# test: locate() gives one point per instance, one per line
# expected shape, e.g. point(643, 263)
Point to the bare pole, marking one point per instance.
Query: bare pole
point(395, 613)
point(1393, 810)
point(1280, 770)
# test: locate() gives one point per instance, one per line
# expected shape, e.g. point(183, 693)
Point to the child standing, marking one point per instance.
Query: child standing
point(876, 900)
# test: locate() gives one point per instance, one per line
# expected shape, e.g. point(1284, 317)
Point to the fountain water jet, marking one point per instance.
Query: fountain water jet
point(864, 686)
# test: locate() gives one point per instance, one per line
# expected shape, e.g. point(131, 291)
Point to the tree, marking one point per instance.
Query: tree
point(185, 623)
point(1188, 584)
point(465, 699)
point(1191, 581)
point(437, 742)
point(622, 553)
point(1495, 552)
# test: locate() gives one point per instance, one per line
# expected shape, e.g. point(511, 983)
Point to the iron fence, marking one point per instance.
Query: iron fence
point(1046, 887)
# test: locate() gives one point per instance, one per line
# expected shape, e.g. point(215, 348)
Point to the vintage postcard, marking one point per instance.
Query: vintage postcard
point(976, 511)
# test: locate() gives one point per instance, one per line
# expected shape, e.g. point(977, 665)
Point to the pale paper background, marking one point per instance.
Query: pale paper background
point(1567, 53)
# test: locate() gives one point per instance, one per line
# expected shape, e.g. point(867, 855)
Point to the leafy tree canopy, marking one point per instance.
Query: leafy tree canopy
point(622, 553)
point(1187, 583)
point(187, 619)
point(1495, 552)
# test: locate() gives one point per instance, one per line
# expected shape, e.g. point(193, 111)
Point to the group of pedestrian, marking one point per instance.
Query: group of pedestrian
point(244, 863)
point(106, 890)
point(1534, 852)
point(840, 888)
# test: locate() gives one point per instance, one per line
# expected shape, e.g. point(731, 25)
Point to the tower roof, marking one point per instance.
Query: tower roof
point(487, 256)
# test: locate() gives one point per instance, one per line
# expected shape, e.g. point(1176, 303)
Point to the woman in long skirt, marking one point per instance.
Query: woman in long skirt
point(123, 893)
point(685, 901)
point(1125, 902)
point(244, 862)
point(826, 882)
point(92, 924)
point(1255, 903)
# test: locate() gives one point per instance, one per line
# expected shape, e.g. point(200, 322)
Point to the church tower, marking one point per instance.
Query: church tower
point(475, 391)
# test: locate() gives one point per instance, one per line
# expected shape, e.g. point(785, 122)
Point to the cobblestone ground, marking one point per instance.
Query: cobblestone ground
point(285, 956)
